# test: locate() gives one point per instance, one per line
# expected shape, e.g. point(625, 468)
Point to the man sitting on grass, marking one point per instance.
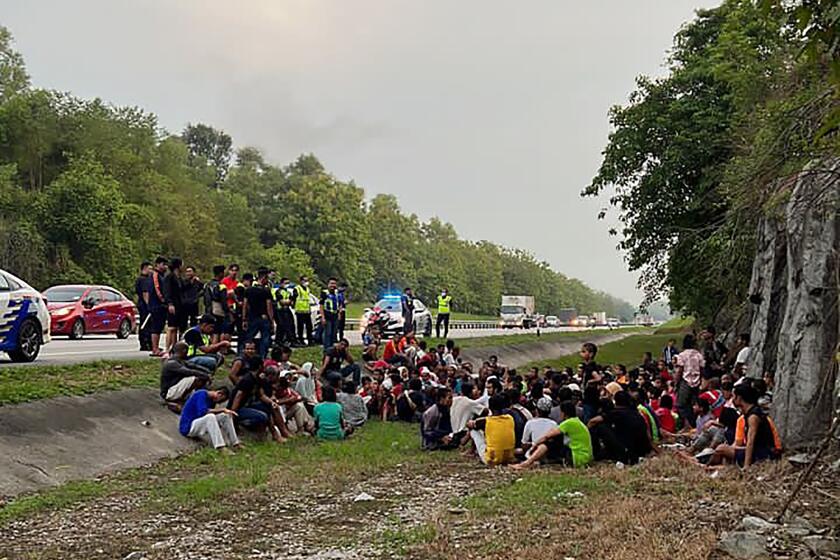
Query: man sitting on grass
point(352, 405)
point(200, 349)
point(179, 378)
point(494, 435)
point(568, 443)
point(200, 419)
point(759, 442)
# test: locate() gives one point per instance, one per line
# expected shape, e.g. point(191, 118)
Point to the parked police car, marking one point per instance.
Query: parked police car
point(24, 319)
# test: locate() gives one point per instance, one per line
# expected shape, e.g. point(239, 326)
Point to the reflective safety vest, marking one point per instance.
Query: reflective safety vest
point(302, 302)
point(443, 303)
point(281, 295)
point(330, 302)
point(194, 350)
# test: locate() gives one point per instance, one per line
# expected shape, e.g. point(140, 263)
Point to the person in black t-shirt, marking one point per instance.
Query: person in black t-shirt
point(141, 285)
point(176, 320)
point(258, 312)
point(591, 370)
point(411, 404)
point(333, 365)
point(620, 433)
point(191, 291)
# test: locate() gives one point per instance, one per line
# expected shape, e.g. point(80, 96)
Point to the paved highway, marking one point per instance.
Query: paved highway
point(107, 347)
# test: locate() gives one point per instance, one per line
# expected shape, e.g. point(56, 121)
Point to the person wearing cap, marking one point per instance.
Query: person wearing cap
point(536, 428)
point(569, 442)
point(200, 348)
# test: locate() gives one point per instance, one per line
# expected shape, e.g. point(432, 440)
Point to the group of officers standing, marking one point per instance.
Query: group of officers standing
point(257, 307)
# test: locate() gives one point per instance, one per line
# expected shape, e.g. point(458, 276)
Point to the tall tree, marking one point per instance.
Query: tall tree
point(13, 76)
point(209, 146)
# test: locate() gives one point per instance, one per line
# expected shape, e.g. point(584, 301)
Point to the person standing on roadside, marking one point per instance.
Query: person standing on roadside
point(407, 302)
point(176, 320)
point(342, 309)
point(215, 304)
point(444, 301)
point(330, 309)
point(156, 304)
point(233, 288)
point(141, 285)
point(191, 291)
point(303, 314)
point(258, 313)
point(284, 296)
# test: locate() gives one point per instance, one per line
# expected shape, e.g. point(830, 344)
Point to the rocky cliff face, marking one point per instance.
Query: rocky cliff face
point(794, 288)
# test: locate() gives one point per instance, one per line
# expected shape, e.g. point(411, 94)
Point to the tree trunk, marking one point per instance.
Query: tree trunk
point(794, 288)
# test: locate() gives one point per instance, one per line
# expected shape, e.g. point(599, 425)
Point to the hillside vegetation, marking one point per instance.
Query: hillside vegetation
point(88, 190)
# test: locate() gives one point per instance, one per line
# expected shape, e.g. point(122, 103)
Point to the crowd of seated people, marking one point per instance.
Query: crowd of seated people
point(692, 397)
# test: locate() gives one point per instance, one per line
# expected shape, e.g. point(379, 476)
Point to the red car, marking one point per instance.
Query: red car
point(79, 309)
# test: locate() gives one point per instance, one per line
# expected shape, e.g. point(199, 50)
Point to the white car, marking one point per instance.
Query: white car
point(393, 306)
point(24, 319)
point(613, 323)
point(552, 321)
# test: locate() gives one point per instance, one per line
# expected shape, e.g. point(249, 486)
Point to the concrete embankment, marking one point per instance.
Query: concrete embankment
point(53, 441)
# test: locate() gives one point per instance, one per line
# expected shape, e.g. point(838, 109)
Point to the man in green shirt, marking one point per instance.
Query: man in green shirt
point(569, 442)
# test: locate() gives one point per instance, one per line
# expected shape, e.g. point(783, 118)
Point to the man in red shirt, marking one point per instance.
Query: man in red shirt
point(230, 282)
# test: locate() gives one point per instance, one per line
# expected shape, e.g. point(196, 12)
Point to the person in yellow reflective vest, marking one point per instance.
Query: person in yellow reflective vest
point(444, 301)
point(284, 296)
point(303, 313)
point(200, 349)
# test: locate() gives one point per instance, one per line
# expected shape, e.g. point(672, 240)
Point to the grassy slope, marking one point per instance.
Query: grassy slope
point(213, 474)
point(23, 384)
point(627, 351)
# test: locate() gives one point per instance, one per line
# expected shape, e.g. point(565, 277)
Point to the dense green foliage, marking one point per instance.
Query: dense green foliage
point(88, 190)
point(698, 156)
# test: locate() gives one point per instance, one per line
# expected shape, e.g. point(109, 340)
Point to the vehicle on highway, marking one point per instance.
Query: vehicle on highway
point(613, 322)
point(391, 304)
point(79, 309)
point(517, 311)
point(24, 319)
point(567, 316)
point(552, 321)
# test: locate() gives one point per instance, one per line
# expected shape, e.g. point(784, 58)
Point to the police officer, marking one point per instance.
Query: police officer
point(342, 309)
point(407, 301)
point(303, 315)
point(284, 296)
point(444, 301)
point(329, 314)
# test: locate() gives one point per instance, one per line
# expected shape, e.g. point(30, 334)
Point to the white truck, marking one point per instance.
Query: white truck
point(517, 311)
point(600, 318)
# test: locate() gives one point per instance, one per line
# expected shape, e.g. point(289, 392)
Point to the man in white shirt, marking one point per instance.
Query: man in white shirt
point(537, 427)
point(743, 355)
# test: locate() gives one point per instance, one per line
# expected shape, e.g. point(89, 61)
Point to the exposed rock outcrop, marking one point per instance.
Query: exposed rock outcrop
point(794, 288)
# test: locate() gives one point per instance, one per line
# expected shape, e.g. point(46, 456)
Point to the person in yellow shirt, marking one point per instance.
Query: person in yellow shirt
point(494, 435)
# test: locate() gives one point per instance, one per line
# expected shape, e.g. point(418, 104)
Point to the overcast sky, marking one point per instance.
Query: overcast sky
point(490, 115)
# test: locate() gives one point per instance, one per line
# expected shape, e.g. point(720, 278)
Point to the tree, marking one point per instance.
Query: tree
point(13, 76)
point(83, 212)
point(208, 146)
